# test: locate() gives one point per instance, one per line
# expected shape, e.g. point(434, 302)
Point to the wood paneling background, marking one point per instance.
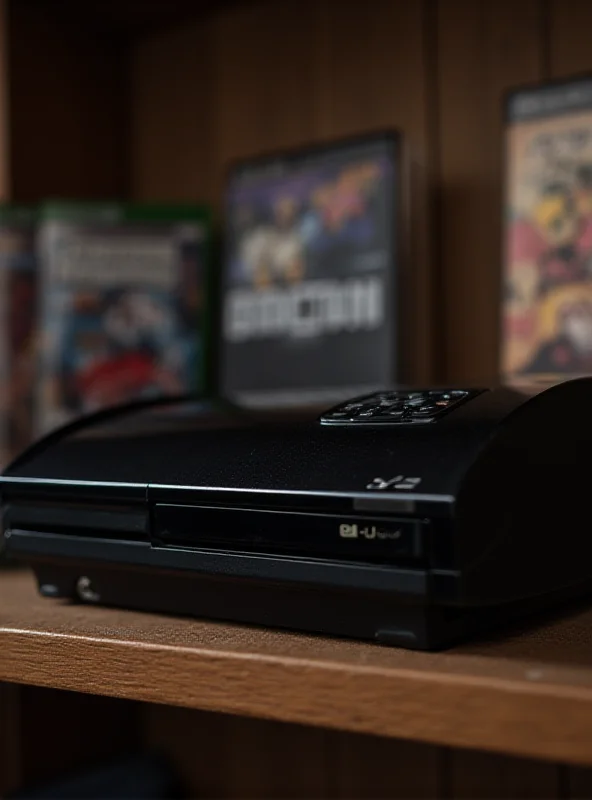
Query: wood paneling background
point(67, 107)
point(483, 50)
point(230, 757)
point(278, 73)
point(161, 115)
point(47, 734)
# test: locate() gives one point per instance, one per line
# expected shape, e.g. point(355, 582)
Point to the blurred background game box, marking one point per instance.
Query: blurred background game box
point(309, 274)
point(547, 289)
point(122, 301)
point(18, 308)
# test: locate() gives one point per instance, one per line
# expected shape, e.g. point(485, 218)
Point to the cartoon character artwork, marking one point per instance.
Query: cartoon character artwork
point(118, 346)
point(564, 331)
point(273, 253)
point(559, 223)
point(525, 246)
point(122, 306)
point(547, 298)
point(305, 225)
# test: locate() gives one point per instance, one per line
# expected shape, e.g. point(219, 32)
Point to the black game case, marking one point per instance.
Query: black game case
point(309, 284)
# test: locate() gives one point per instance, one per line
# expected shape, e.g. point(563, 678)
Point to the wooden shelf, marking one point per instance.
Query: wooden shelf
point(528, 693)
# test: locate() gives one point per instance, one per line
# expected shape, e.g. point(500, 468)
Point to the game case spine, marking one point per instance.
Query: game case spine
point(545, 110)
point(18, 304)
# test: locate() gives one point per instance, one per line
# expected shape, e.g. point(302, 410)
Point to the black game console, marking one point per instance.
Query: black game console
point(414, 518)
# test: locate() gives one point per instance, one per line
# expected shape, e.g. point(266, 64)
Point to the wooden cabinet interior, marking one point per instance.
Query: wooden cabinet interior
point(223, 756)
point(116, 101)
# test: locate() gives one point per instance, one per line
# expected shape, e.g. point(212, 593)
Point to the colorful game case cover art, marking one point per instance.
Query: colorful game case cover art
point(122, 306)
point(18, 304)
point(309, 277)
point(547, 306)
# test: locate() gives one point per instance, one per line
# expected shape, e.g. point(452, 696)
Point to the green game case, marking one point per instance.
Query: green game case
point(123, 305)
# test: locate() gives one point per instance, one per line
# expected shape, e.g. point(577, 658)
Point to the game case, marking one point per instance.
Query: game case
point(18, 295)
point(547, 287)
point(123, 296)
point(309, 278)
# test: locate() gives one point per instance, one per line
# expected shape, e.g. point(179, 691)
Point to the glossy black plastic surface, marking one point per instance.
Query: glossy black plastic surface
point(483, 508)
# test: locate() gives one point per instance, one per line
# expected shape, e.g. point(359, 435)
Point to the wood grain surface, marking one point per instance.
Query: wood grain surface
point(171, 138)
point(233, 85)
point(67, 120)
point(10, 756)
point(484, 49)
point(527, 693)
point(5, 171)
point(46, 734)
point(493, 776)
point(221, 756)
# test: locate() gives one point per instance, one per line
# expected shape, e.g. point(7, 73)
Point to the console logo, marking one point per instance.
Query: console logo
point(353, 531)
point(400, 482)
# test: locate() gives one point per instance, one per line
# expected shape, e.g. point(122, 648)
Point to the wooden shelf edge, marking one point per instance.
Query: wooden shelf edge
point(539, 720)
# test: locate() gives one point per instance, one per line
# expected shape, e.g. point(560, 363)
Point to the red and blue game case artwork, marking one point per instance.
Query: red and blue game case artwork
point(123, 303)
point(310, 288)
